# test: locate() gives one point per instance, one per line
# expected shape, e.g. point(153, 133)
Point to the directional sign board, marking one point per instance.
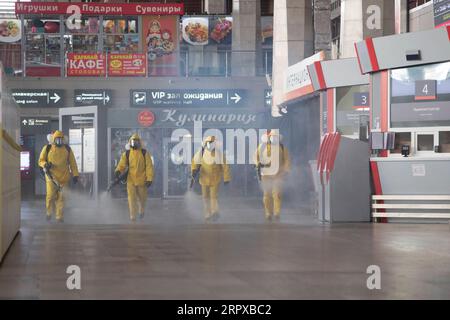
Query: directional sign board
point(38, 98)
point(194, 98)
point(89, 97)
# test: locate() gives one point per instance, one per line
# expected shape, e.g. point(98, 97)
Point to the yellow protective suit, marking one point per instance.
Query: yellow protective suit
point(63, 167)
point(273, 171)
point(211, 174)
point(140, 171)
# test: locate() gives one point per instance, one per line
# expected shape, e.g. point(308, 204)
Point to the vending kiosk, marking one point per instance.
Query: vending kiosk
point(342, 167)
point(410, 123)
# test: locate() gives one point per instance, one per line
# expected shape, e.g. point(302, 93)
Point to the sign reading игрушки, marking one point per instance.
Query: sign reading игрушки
point(187, 98)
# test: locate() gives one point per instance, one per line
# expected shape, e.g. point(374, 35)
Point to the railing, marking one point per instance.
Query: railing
point(225, 63)
point(192, 63)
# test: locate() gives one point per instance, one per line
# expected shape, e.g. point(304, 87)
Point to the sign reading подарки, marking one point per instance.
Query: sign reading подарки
point(188, 98)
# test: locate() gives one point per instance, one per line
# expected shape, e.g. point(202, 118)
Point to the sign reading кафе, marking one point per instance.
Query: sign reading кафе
point(194, 98)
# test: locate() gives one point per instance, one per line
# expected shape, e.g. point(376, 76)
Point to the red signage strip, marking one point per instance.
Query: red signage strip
point(448, 32)
point(127, 65)
point(320, 76)
point(90, 8)
point(372, 54)
point(82, 65)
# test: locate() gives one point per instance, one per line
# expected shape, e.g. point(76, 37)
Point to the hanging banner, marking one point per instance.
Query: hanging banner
point(90, 64)
point(126, 65)
point(160, 36)
point(110, 9)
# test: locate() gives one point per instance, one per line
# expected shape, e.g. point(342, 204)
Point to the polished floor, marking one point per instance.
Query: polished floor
point(171, 254)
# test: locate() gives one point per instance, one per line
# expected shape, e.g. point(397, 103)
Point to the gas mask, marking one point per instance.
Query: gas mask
point(135, 144)
point(59, 142)
point(210, 145)
point(264, 139)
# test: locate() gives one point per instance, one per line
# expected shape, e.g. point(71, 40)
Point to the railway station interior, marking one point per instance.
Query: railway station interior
point(225, 149)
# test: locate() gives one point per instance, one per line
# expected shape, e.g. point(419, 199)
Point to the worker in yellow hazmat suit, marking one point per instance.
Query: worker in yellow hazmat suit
point(212, 166)
point(58, 161)
point(273, 163)
point(139, 164)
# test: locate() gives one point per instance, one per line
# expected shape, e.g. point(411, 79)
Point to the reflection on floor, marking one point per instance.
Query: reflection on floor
point(172, 255)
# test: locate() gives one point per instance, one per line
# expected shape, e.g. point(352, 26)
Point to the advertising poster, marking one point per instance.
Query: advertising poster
point(202, 31)
point(10, 30)
point(89, 150)
point(75, 145)
point(160, 39)
point(127, 64)
point(90, 64)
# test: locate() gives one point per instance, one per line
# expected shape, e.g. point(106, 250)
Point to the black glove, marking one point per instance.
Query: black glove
point(148, 184)
point(75, 180)
point(226, 182)
point(117, 174)
point(48, 165)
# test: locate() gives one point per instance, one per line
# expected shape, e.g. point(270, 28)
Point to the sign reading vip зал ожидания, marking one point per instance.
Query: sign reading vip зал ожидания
point(188, 98)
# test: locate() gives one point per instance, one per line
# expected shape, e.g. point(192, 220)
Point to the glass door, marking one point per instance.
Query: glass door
point(176, 175)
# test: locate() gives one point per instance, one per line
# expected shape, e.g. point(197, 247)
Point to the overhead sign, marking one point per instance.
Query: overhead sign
point(441, 13)
point(425, 90)
point(38, 98)
point(109, 9)
point(188, 98)
point(35, 122)
point(89, 97)
point(298, 82)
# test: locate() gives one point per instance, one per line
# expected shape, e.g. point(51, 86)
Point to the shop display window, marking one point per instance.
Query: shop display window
point(120, 35)
point(401, 138)
point(42, 43)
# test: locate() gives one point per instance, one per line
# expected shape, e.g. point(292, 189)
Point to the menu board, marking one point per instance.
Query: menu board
point(127, 64)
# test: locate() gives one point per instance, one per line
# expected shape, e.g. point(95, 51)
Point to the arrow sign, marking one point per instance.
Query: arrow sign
point(38, 98)
point(25, 122)
point(55, 97)
point(236, 98)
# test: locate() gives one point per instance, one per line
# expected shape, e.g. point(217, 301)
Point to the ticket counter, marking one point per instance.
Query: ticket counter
point(342, 167)
point(410, 123)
